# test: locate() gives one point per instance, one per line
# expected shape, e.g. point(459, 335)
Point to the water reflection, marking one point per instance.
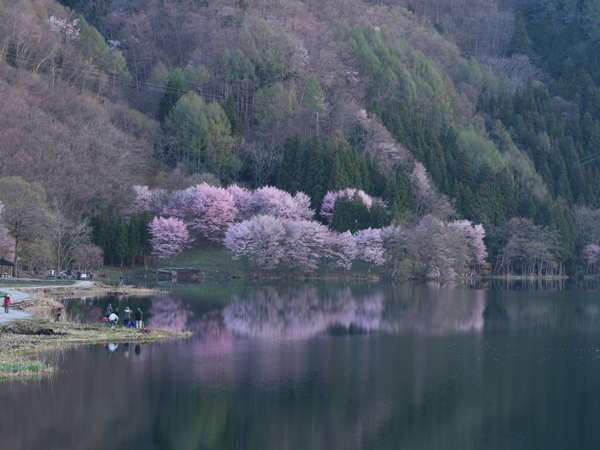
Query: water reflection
point(304, 312)
point(331, 367)
point(301, 313)
point(169, 313)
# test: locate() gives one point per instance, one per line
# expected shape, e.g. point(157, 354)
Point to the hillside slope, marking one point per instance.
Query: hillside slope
point(472, 95)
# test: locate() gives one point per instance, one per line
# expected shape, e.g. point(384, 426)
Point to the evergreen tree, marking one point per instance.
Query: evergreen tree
point(350, 214)
point(176, 88)
point(202, 137)
point(521, 43)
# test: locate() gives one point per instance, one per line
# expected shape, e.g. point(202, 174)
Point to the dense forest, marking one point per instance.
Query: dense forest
point(445, 111)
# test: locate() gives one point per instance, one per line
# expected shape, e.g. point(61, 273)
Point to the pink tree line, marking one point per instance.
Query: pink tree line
point(435, 249)
point(271, 242)
point(207, 211)
point(272, 228)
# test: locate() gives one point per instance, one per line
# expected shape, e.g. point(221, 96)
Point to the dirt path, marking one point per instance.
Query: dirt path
point(18, 296)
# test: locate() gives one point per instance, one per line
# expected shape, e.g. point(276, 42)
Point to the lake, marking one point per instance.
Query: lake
point(326, 366)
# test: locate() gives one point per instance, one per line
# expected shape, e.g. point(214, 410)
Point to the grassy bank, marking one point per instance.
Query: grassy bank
point(28, 282)
point(21, 341)
point(212, 262)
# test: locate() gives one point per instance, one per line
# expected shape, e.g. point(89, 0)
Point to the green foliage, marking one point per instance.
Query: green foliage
point(555, 141)
point(566, 35)
point(94, 47)
point(237, 66)
point(274, 104)
point(351, 214)
point(123, 241)
point(491, 180)
point(498, 154)
point(201, 136)
point(264, 58)
point(521, 43)
point(401, 75)
point(30, 366)
point(313, 97)
point(316, 166)
point(92, 10)
point(179, 82)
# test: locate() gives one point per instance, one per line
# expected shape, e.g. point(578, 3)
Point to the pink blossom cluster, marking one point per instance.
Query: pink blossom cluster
point(272, 228)
point(270, 242)
point(209, 210)
point(269, 200)
point(328, 204)
point(591, 254)
point(369, 246)
point(146, 199)
point(435, 249)
point(244, 200)
point(69, 28)
point(474, 235)
point(170, 236)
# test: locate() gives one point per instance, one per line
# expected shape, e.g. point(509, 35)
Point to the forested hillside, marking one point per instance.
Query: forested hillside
point(484, 110)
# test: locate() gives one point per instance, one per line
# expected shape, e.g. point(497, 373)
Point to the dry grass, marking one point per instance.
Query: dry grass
point(20, 341)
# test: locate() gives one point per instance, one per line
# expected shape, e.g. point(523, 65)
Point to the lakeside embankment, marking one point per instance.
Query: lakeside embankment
point(21, 340)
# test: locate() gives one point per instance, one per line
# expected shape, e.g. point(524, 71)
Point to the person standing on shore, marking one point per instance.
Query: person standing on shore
point(109, 310)
point(127, 316)
point(139, 318)
point(7, 302)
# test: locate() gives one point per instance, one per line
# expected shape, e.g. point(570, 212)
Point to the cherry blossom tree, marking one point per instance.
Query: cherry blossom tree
point(207, 209)
point(435, 249)
point(146, 199)
point(308, 243)
point(69, 28)
point(272, 242)
point(427, 199)
point(243, 200)
point(260, 239)
point(170, 236)
point(369, 246)
point(179, 203)
point(212, 211)
point(341, 249)
point(269, 200)
point(591, 256)
point(474, 235)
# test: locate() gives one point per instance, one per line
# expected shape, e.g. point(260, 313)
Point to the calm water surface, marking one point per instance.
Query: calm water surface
point(331, 367)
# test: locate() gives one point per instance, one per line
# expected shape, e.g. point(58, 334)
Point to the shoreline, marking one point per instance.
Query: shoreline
point(21, 340)
point(45, 303)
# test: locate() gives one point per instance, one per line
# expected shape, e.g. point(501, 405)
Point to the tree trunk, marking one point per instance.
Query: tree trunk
point(16, 266)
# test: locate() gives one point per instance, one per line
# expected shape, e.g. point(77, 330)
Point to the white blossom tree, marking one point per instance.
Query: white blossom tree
point(170, 236)
point(369, 246)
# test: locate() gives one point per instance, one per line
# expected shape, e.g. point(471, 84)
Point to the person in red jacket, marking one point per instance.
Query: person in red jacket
point(7, 302)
